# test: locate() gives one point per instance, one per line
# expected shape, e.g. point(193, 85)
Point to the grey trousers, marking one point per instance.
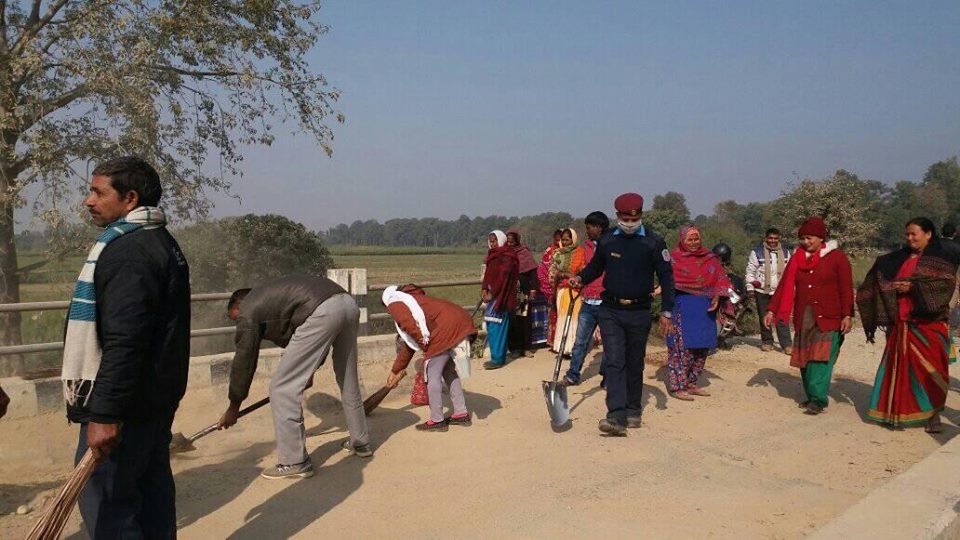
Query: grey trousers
point(440, 370)
point(766, 334)
point(333, 324)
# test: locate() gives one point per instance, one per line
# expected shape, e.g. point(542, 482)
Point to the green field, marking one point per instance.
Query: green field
point(403, 266)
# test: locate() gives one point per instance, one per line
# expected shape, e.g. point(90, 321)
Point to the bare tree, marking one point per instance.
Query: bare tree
point(184, 83)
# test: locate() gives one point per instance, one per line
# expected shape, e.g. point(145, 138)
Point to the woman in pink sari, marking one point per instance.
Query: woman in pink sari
point(547, 286)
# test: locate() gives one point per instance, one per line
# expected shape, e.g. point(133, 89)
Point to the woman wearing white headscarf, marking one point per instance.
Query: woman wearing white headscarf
point(499, 289)
point(441, 330)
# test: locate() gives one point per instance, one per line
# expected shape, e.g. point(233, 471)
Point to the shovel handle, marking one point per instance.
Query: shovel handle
point(215, 426)
point(477, 309)
point(566, 329)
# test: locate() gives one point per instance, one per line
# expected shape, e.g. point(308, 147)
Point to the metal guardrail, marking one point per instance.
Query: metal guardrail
point(430, 284)
point(198, 333)
point(64, 304)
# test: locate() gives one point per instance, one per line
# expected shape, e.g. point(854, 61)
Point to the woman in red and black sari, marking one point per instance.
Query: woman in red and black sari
point(499, 290)
point(907, 293)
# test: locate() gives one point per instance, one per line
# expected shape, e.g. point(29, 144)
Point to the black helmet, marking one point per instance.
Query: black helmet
point(723, 251)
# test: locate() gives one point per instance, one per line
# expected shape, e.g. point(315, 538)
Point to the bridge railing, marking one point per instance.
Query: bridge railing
point(353, 280)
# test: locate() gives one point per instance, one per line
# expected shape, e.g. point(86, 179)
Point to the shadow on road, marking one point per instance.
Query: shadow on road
point(842, 389)
point(203, 490)
point(593, 369)
point(13, 495)
point(852, 392)
point(663, 375)
point(305, 501)
point(787, 385)
point(480, 405)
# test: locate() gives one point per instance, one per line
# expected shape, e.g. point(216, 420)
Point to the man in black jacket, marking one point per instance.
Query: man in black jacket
point(307, 316)
point(125, 382)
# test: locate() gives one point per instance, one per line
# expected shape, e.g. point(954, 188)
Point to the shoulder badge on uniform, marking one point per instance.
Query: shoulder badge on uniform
point(666, 255)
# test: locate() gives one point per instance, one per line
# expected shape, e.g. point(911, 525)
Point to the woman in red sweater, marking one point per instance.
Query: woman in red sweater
point(442, 331)
point(817, 288)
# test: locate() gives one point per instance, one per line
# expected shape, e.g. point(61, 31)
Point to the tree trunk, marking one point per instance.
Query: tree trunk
point(9, 284)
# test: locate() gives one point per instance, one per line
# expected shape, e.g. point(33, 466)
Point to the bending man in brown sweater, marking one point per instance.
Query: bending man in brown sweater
point(442, 331)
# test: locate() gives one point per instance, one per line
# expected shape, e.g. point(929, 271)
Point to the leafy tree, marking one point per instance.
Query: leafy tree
point(674, 201)
point(434, 232)
point(235, 252)
point(753, 218)
point(664, 221)
point(847, 204)
point(905, 201)
point(179, 83)
point(945, 175)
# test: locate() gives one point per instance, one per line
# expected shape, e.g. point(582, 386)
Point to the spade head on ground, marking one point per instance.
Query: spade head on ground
point(558, 407)
point(179, 444)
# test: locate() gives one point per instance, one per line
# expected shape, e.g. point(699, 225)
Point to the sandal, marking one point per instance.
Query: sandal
point(934, 425)
point(697, 391)
point(682, 395)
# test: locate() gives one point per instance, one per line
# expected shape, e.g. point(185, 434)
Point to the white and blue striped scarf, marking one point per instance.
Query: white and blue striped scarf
point(81, 348)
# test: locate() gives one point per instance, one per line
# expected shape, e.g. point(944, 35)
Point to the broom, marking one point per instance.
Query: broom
point(180, 443)
point(58, 511)
point(374, 400)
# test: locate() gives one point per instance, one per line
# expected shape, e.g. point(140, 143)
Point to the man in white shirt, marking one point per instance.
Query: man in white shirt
point(765, 267)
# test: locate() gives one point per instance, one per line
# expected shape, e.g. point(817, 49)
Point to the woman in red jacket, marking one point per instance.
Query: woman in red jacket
point(441, 330)
point(817, 287)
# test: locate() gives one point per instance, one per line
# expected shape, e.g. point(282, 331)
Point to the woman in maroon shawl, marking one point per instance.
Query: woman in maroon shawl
point(499, 291)
point(700, 281)
point(518, 338)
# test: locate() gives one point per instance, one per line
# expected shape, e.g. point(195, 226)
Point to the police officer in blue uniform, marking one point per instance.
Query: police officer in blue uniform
point(628, 256)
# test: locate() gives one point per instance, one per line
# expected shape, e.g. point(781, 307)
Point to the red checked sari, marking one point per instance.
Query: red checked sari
point(912, 381)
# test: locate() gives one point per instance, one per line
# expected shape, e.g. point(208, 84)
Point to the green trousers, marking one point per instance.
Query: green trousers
point(816, 376)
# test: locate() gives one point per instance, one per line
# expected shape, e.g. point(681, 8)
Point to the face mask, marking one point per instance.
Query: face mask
point(629, 228)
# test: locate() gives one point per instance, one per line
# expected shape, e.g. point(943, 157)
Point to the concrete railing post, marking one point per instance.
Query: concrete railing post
point(354, 281)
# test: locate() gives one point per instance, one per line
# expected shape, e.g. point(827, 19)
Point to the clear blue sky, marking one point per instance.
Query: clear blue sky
point(516, 108)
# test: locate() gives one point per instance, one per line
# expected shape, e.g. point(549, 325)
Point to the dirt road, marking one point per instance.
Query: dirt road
point(744, 463)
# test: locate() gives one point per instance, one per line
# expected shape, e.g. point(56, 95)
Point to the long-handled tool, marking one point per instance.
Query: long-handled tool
point(555, 393)
point(477, 348)
point(179, 443)
point(373, 401)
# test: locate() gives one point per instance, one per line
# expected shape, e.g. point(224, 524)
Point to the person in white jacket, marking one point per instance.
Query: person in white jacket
point(764, 268)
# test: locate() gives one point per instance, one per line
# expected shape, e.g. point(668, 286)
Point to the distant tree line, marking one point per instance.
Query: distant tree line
point(433, 232)
point(861, 213)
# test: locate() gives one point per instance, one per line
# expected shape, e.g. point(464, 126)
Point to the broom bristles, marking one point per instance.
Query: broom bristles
point(57, 512)
point(374, 400)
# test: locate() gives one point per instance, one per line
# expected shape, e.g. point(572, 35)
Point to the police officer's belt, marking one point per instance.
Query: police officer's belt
point(626, 301)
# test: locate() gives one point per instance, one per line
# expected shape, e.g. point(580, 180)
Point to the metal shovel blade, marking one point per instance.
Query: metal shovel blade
point(557, 405)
